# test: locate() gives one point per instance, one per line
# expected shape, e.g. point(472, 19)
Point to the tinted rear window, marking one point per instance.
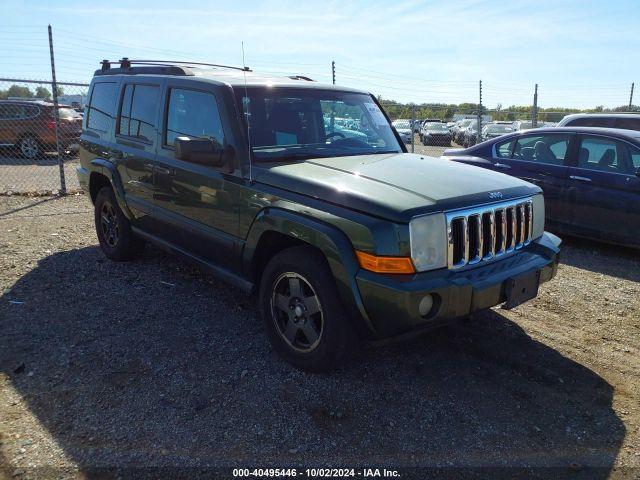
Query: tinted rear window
point(631, 123)
point(138, 112)
point(101, 108)
point(17, 111)
point(590, 122)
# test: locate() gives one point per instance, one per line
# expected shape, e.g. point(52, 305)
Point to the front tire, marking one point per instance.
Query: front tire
point(301, 311)
point(117, 240)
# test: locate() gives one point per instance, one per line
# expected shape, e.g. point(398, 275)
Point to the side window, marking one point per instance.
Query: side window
point(138, 112)
point(11, 111)
point(101, 108)
point(549, 148)
point(193, 114)
point(631, 123)
point(590, 122)
point(31, 111)
point(503, 150)
point(635, 157)
point(606, 155)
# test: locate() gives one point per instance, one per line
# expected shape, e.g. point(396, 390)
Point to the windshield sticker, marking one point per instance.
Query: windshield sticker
point(376, 115)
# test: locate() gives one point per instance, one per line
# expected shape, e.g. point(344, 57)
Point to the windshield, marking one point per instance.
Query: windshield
point(401, 124)
point(498, 128)
point(436, 126)
point(291, 124)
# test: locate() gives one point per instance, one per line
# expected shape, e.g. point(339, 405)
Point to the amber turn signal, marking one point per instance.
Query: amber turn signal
point(385, 264)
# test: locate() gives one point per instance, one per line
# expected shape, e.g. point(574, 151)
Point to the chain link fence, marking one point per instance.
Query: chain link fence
point(39, 143)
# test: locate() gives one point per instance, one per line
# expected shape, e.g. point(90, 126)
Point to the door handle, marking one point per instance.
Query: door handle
point(502, 165)
point(165, 171)
point(579, 178)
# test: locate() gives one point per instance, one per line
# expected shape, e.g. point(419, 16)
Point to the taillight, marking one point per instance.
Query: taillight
point(51, 124)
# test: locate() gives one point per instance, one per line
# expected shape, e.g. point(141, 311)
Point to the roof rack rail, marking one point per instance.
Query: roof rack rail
point(301, 77)
point(127, 63)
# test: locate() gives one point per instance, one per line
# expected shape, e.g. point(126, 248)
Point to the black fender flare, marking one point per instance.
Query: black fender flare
point(109, 170)
point(331, 241)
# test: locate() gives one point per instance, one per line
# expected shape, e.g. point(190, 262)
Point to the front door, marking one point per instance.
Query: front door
point(540, 159)
point(604, 190)
point(196, 205)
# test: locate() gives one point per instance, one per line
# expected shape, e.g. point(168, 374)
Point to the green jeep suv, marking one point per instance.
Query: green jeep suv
point(344, 236)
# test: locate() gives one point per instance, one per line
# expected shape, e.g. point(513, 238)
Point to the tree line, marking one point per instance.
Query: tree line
point(19, 91)
point(444, 111)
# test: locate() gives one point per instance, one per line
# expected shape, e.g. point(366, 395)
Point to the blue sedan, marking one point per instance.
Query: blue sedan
point(590, 176)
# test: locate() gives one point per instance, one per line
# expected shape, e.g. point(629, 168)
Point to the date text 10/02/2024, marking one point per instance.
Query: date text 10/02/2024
point(315, 472)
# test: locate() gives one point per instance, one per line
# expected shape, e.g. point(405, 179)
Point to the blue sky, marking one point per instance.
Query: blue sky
point(581, 53)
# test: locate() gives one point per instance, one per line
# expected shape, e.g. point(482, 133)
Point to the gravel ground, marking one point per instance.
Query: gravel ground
point(21, 175)
point(154, 363)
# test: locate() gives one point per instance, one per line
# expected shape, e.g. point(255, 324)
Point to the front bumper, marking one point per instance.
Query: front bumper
point(391, 302)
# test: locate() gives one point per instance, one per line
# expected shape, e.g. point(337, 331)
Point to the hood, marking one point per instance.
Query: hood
point(404, 130)
point(394, 186)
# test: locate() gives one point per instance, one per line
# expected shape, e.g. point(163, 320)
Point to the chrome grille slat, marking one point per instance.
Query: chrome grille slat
point(465, 240)
point(491, 236)
point(503, 231)
point(511, 239)
point(521, 227)
point(483, 233)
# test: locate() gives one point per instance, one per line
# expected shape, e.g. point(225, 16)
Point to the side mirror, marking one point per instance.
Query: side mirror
point(202, 151)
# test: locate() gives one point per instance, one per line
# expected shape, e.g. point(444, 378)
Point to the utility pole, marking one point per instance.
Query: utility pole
point(534, 111)
point(413, 121)
point(56, 115)
point(631, 97)
point(333, 71)
point(479, 135)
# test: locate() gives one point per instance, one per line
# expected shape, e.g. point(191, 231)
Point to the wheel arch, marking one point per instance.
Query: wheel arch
point(103, 173)
point(275, 229)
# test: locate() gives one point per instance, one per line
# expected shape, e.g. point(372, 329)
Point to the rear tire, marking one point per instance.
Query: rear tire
point(117, 240)
point(301, 311)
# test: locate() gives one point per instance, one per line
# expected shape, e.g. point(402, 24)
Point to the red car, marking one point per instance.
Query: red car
point(29, 126)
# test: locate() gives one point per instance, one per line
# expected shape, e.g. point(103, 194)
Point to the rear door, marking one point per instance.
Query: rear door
point(136, 140)
point(540, 159)
point(604, 190)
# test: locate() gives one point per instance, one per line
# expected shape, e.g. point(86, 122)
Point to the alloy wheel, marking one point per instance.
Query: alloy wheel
point(297, 312)
point(109, 224)
point(29, 147)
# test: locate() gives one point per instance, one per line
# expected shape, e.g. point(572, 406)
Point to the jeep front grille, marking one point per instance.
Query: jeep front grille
point(483, 233)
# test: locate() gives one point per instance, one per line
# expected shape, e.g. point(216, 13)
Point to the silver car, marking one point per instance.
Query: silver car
point(403, 127)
